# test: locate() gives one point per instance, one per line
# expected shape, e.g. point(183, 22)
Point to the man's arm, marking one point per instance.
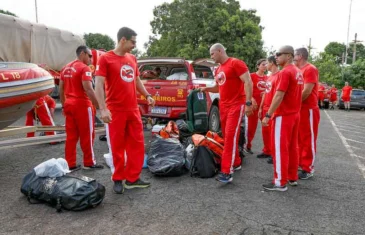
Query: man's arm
point(87, 85)
point(278, 98)
point(142, 90)
point(213, 89)
point(100, 97)
point(308, 87)
point(246, 78)
point(261, 105)
point(62, 93)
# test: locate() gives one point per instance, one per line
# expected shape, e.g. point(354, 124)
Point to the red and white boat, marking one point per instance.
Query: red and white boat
point(21, 84)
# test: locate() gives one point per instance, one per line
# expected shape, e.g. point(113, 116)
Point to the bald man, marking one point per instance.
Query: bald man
point(284, 112)
point(233, 82)
point(309, 114)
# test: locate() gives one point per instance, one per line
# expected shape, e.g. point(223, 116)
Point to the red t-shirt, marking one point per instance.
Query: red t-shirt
point(346, 90)
point(333, 93)
point(120, 74)
point(72, 76)
point(231, 87)
point(290, 80)
point(259, 86)
point(269, 92)
point(310, 75)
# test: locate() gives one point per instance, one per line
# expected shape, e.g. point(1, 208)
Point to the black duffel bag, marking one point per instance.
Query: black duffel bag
point(67, 192)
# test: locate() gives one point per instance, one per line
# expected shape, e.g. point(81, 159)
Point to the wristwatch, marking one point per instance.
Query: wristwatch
point(267, 115)
point(148, 95)
point(248, 103)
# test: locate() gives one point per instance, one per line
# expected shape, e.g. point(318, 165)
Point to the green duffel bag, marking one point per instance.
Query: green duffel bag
point(197, 112)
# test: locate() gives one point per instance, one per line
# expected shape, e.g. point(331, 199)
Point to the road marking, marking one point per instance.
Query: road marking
point(356, 141)
point(352, 131)
point(360, 157)
point(350, 126)
point(355, 147)
point(347, 146)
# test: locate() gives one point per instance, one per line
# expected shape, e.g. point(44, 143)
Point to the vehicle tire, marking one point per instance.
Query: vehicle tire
point(214, 119)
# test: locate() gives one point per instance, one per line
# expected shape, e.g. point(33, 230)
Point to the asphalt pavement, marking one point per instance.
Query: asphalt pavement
point(333, 202)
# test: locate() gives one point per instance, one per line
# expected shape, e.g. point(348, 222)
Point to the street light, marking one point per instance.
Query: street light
point(348, 33)
point(36, 11)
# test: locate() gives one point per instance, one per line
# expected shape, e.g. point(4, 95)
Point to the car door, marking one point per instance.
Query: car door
point(358, 98)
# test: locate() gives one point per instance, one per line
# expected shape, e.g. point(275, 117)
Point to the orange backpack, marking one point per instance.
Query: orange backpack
point(213, 145)
point(170, 131)
point(215, 136)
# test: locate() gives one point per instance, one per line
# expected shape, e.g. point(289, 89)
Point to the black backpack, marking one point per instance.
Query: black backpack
point(197, 112)
point(68, 192)
point(202, 163)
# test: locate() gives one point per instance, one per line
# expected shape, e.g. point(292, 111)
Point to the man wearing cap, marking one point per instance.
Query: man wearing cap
point(284, 112)
point(77, 99)
point(309, 114)
point(233, 82)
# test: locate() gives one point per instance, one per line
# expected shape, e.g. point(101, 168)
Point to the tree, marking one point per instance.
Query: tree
point(187, 28)
point(7, 13)
point(329, 69)
point(355, 74)
point(99, 41)
point(336, 50)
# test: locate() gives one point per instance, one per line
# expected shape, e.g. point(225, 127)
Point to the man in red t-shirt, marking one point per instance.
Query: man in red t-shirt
point(43, 110)
point(77, 99)
point(333, 96)
point(258, 89)
point(309, 114)
point(284, 111)
point(321, 94)
point(346, 95)
point(234, 85)
point(264, 108)
point(117, 73)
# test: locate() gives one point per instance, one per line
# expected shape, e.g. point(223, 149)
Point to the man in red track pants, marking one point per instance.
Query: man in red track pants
point(234, 85)
point(284, 111)
point(309, 114)
point(264, 108)
point(333, 96)
point(44, 111)
point(77, 98)
point(118, 71)
point(346, 96)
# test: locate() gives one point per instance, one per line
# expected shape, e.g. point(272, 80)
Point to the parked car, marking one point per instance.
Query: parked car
point(357, 99)
point(170, 80)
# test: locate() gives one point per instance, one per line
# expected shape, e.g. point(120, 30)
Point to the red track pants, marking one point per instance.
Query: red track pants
point(250, 127)
point(231, 118)
point(125, 135)
point(79, 125)
point(266, 135)
point(44, 116)
point(308, 132)
point(284, 148)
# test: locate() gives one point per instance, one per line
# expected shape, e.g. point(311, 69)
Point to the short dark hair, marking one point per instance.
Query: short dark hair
point(303, 52)
point(260, 61)
point(81, 49)
point(272, 59)
point(125, 32)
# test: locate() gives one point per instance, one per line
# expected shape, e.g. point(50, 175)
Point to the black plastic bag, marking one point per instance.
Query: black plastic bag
point(68, 192)
point(166, 157)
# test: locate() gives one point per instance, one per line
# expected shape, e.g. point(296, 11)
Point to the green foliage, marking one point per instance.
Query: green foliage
point(337, 49)
point(355, 74)
point(99, 41)
point(329, 69)
point(7, 13)
point(187, 28)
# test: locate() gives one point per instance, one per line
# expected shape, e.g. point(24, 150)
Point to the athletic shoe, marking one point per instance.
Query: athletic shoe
point(247, 151)
point(95, 166)
point(305, 175)
point(75, 168)
point(237, 168)
point(270, 161)
point(273, 187)
point(118, 187)
point(263, 155)
point(224, 178)
point(137, 184)
point(292, 182)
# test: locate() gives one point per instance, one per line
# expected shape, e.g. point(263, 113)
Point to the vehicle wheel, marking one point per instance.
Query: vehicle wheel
point(214, 119)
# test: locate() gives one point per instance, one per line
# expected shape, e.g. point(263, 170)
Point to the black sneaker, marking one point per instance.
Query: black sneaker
point(224, 178)
point(95, 166)
point(292, 182)
point(75, 168)
point(305, 175)
point(246, 150)
point(237, 168)
point(137, 184)
point(118, 187)
point(263, 155)
point(273, 187)
point(270, 161)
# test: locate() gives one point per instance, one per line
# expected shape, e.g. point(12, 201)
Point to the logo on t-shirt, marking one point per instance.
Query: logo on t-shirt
point(299, 78)
point(127, 73)
point(88, 74)
point(268, 87)
point(220, 78)
point(261, 85)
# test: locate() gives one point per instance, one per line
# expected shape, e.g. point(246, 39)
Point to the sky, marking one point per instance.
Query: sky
point(285, 22)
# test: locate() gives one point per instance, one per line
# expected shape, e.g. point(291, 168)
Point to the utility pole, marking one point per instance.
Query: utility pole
point(310, 48)
point(355, 42)
point(36, 11)
point(348, 32)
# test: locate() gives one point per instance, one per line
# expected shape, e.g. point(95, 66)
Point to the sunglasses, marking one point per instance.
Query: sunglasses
point(90, 56)
point(282, 53)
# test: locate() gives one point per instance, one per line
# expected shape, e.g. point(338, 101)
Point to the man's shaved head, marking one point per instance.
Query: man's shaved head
point(285, 55)
point(286, 50)
point(217, 46)
point(218, 53)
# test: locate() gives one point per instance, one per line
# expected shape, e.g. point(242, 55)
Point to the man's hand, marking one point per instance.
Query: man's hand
point(265, 121)
point(106, 116)
point(248, 110)
point(202, 89)
point(254, 104)
point(151, 101)
point(260, 113)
